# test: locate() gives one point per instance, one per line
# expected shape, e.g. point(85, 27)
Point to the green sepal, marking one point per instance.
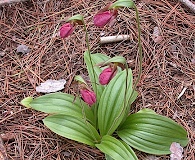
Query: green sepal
point(80, 79)
point(116, 59)
point(116, 149)
point(76, 18)
point(151, 133)
point(62, 103)
point(73, 128)
point(122, 3)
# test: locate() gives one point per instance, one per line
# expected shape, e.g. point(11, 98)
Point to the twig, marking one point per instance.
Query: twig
point(189, 4)
point(3, 2)
point(111, 39)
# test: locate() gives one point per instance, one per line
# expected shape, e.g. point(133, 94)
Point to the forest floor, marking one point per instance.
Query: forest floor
point(168, 39)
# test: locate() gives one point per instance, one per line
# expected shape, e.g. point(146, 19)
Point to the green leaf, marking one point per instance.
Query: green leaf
point(116, 149)
point(133, 97)
point(122, 3)
point(111, 110)
point(152, 133)
point(96, 58)
point(76, 18)
point(108, 157)
point(131, 100)
point(26, 101)
point(146, 110)
point(62, 103)
point(73, 128)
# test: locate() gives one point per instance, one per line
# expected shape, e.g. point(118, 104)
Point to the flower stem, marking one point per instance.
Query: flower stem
point(90, 59)
point(139, 46)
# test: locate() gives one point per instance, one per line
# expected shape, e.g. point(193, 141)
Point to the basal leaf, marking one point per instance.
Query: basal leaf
point(108, 157)
point(26, 101)
point(62, 103)
point(116, 149)
point(111, 110)
point(96, 58)
point(73, 128)
point(151, 133)
point(133, 97)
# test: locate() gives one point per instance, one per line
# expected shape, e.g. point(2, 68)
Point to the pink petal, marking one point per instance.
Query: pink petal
point(88, 96)
point(66, 30)
point(106, 75)
point(101, 19)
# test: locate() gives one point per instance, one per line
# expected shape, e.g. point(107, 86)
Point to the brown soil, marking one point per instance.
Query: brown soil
point(168, 67)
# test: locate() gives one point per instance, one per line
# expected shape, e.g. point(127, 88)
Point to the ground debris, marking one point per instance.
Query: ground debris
point(51, 86)
point(23, 49)
point(3, 153)
point(176, 151)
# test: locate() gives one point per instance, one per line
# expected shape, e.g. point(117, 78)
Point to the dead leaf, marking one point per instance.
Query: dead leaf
point(23, 49)
point(50, 86)
point(2, 53)
point(176, 151)
point(157, 38)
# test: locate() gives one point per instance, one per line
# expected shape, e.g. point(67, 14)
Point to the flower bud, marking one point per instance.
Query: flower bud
point(103, 18)
point(66, 30)
point(106, 75)
point(88, 96)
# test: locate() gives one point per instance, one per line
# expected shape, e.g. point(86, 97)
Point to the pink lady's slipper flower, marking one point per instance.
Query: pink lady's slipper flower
point(66, 30)
point(105, 16)
point(88, 96)
point(106, 75)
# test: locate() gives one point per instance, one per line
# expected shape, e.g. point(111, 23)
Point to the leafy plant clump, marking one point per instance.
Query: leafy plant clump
point(103, 110)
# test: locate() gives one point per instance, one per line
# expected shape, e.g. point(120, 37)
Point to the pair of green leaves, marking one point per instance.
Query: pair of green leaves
point(144, 131)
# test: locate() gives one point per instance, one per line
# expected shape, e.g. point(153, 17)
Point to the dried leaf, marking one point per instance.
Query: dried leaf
point(176, 151)
point(23, 49)
point(156, 35)
point(2, 53)
point(51, 86)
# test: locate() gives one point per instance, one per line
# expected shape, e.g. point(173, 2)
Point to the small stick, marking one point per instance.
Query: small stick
point(111, 39)
point(3, 2)
point(189, 4)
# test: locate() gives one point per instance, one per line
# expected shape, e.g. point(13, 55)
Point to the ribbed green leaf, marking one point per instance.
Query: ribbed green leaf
point(26, 101)
point(133, 97)
point(108, 157)
point(111, 109)
point(96, 58)
point(116, 149)
point(62, 103)
point(151, 133)
point(122, 3)
point(72, 128)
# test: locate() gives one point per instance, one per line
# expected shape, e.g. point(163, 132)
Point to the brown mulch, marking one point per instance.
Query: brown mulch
point(168, 67)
